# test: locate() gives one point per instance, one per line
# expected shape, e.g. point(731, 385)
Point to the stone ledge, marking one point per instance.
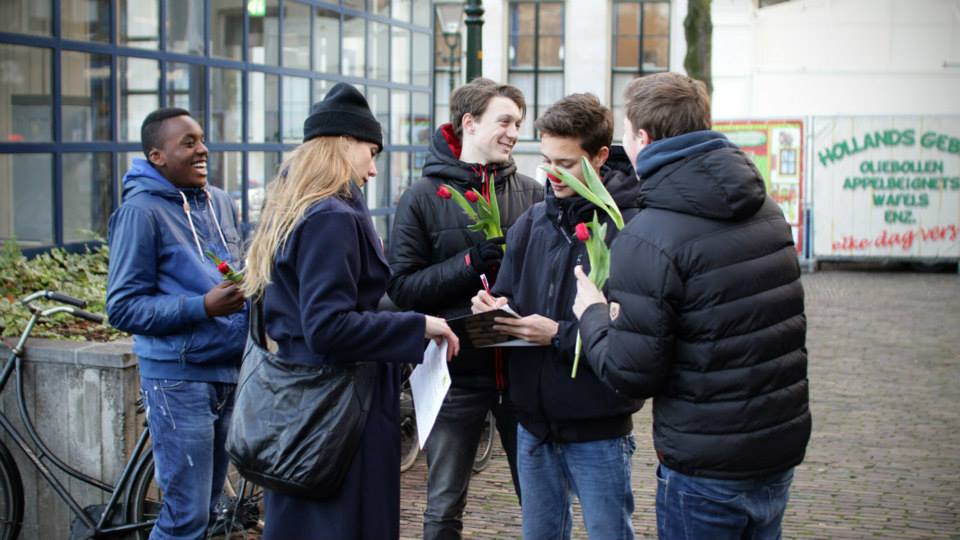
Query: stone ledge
point(113, 354)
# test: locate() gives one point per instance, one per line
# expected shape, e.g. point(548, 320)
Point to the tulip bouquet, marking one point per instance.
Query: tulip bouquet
point(229, 274)
point(486, 216)
point(593, 234)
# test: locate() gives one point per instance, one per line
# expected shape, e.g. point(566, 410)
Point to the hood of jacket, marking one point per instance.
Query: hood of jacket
point(443, 161)
point(143, 178)
point(702, 174)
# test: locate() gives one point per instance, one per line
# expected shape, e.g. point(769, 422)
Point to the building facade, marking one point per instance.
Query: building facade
point(77, 77)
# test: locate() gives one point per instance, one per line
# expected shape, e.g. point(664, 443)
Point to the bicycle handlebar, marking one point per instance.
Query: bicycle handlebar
point(60, 297)
point(92, 317)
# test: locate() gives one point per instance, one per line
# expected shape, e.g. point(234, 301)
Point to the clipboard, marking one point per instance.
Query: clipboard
point(476, 331)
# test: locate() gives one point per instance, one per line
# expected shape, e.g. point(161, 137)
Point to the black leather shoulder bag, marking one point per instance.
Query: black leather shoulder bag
point(296, 428)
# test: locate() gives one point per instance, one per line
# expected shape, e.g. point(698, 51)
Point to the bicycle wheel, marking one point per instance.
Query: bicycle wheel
point(11, 496)
point(485, 448)
point(144, 499)
point(239, 510)
point(409, 443)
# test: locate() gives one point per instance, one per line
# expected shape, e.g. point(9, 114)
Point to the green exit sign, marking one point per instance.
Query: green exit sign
point(257, 8)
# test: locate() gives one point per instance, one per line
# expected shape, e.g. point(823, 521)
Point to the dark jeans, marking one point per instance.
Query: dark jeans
point(188, 426)
point(691, 507)
point(451, 449)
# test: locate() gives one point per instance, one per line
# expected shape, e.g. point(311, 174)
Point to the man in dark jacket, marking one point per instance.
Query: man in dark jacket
point(437, 263)
point(189, 325)
point(575, 433)
point(706, 316)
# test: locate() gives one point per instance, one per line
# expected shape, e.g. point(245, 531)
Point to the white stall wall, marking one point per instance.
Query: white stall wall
point(886, 187)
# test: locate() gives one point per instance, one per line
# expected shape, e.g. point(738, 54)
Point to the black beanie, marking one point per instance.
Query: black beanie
point(343, 111)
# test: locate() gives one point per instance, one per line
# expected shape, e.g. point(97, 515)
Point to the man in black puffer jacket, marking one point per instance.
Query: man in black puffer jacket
point(575, 434)
point(706, 316)
point(437, 263)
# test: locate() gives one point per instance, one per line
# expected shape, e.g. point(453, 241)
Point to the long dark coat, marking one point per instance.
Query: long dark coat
point(320, 308)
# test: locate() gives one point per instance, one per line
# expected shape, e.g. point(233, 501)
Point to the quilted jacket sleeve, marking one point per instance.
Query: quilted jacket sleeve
point(634, 352)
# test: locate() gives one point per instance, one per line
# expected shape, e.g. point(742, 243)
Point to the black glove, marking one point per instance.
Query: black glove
point(485, 256)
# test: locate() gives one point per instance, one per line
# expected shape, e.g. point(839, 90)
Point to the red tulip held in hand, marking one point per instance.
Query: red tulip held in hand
point(443, 192)
point(223, 267)
point(472, 196)
point(582, 232)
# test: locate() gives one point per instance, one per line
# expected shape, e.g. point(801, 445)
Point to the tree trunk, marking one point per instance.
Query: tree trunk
point(698, 28)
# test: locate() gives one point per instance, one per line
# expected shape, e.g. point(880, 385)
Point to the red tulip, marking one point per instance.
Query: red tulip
point(582, 232)
point(443, 192)
point(472, 196)
point(223, 267)
point(554, 179)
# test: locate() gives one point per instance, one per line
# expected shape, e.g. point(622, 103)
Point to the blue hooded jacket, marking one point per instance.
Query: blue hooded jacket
point(158, 278)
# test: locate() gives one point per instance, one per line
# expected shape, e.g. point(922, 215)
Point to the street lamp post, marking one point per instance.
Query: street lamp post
point(474, 11)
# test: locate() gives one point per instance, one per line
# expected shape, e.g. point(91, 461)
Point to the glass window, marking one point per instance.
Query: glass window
point(641, 45)
point(26, 107)
point(26, 195)
point(226, 29)
point(354, 31)
point(326, 41)
point(85, 20)
point(421, 118)
point(536, 53)
point(296, 107)
point(185, 26)
point(401, 10)
point(378, 59)
point(380, 7)
point(264, 38)
point(25, 18)
point(355, 4)
point(400, 56)
point(263, 167)
point(227, 105)
point(138, 80)
point(226, 172)
point(400, 178)
point(187, 89)
point(87, 200)
point(421, 59)
point(263, 108)
point(379, 101)
point(138, 24)
point(85, 88)
point(400, 117)
point(296, 35)
point(320, 88)
point(422, 13)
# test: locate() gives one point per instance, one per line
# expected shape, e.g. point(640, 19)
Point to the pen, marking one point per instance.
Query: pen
point(486, 285)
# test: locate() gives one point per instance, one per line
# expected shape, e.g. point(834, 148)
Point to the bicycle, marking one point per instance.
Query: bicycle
point(409, 444)
point(134, 501)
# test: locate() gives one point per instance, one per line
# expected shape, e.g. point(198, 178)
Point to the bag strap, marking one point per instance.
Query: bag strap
point(258, 330)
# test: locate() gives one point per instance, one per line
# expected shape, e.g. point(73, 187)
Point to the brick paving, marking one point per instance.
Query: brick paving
point(884, 458)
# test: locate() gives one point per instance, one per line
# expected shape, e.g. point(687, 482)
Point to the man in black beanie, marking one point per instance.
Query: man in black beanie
point(437, 264)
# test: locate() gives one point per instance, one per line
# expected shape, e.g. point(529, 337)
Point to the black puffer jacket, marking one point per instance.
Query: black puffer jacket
point(430, 238)
point(707, 314)
point(537, 276)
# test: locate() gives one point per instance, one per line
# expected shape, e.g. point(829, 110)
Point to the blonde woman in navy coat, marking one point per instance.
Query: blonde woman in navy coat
point(319, 265)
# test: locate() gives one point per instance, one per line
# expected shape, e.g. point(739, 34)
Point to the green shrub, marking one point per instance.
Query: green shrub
point(81, 275)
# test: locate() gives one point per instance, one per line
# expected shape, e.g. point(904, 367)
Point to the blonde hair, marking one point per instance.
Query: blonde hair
point(316, 170)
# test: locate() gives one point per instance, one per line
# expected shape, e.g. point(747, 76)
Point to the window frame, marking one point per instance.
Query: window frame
point(533, 102)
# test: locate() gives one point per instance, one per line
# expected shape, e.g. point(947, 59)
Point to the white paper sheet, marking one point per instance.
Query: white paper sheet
point(429, 383)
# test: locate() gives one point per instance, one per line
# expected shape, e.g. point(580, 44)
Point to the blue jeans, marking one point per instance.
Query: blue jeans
point(691, 507)
point(597, 472)
point(188, 426)
point(451, 449)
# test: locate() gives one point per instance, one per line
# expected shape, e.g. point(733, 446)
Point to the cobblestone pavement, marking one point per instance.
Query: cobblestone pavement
point(884, 459)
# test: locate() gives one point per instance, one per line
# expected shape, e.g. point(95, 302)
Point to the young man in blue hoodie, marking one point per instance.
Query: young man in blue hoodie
point(189, 324)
